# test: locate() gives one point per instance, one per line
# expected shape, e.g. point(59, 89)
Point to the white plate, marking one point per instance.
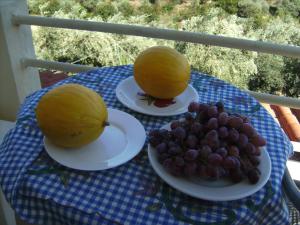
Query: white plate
point(221, 190)
point(120, 141)
point(127, 93)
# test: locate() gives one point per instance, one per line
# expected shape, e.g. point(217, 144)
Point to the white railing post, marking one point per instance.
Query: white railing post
point(16, 81)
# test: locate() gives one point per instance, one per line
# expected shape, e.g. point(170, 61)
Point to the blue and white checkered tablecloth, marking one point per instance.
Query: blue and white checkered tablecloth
point(43, 192)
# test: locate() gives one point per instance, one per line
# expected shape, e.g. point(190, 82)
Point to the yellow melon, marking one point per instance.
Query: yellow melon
point(161, 72)
point(71, 115)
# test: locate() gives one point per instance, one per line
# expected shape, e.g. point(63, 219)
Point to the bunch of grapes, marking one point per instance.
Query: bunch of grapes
point(210, 143)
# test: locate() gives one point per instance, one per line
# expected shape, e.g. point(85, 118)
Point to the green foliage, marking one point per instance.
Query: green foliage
point(291, 76)
point(289, 8)
point(125, 8)
point(269, 77)
point(234, 66)
point(43, 7)
point(258, 10)
point(279, 31)
point(105, 10)
point(90, 48)
point(167, 7)
point(195, 9)
point(252, 8)
point(88, 5)
point(249, 19)
point(151, 11)
point(52, 7)
point(230, 6)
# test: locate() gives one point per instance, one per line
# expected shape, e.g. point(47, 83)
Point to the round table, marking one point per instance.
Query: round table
point(42, 191)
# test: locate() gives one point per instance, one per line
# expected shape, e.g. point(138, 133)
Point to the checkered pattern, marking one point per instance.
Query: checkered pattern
point(131, 193)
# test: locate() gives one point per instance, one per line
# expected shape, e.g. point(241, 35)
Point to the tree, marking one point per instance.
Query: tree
point(291, 76)
point(269, 76)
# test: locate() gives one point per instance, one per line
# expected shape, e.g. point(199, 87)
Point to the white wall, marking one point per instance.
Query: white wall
point(7, 216)
point(9, 100)
point(16, 82)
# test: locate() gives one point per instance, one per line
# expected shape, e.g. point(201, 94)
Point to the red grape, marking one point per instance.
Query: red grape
point(211, 134)
point(257, 151)
point(196, 127)
point(243, 140)
point(171, 144)
point(202, 116)
point(175, 124)
point(258, 141)
point(236, 175)
point(254, 160)
point(253, 176)
point(163, 133)
point(175, 150)
point(202, 170)
point(247, 129)
point(250, 149)
point(213, 172)
point(161, 148)
point(191, 155)
point(189, 116)
point(203, 107)
point(222, 152)
point(176, 170)
point(233, 135)
point(212, 124)
point(179, 161)
point(204, 152)
point(212, 111)
point(190, 169)
point(179, 133)
point(191, 141)
point(233, 151)
point(213, 142)
point(193, 107)
point(163, 156)
point(154, 133)
point(154, 141)
point(223, 118)
point(167, 163)
point(223, 132)
point(230, 162)
point(235, 122)
point(215, 159)
point(209, 143)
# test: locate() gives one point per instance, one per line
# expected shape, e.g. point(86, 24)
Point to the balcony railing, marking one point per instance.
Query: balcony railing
point(22, 66)
point(18, 64)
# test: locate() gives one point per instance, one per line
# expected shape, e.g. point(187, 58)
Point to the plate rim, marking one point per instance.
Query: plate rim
point(137, 109)
point(169, 179)
point(137, 151)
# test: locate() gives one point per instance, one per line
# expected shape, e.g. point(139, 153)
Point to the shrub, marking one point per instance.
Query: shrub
point(252, 8)
point(234, 66)
point(289, 8)
point(279, 31)
point(230, 6)
point(125, 8)
point(269, 77)
point(105, 10)
point(151, 11)
point(242, 68)
point(91, 48)
point(43, 7)
point(194, 9)
point(291, 76)
point(52, 7)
